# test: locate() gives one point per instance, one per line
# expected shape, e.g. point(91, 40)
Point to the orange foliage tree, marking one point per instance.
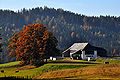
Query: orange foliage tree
point(33, 44)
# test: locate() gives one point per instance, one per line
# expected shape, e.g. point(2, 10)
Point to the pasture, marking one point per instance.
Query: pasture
point(53, 67)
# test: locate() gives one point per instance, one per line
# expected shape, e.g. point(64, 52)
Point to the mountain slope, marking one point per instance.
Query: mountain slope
point(68, 27)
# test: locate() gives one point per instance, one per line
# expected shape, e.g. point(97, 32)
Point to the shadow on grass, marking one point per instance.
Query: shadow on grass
point(73, 62)
point(59, 79)
point(13, 78)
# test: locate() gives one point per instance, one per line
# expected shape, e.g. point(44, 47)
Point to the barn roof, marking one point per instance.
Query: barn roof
point(76, 47)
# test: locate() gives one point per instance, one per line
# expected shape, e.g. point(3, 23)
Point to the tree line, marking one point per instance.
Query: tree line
point(68, 27)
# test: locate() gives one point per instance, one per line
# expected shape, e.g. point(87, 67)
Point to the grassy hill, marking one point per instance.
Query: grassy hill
point(111, 71)
point(53, 67)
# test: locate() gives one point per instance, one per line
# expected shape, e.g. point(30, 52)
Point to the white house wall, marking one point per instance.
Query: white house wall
point(83, 55)
point(95, 55)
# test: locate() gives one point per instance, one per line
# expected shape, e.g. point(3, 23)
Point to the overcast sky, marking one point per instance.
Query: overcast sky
point(86, 7)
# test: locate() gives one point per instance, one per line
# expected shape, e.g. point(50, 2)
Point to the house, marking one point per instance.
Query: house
point(83, 51)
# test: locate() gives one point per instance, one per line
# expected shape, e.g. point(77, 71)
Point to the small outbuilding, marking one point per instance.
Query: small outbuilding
point(84, 51)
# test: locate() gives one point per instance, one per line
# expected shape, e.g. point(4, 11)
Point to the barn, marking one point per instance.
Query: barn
point(84, 51)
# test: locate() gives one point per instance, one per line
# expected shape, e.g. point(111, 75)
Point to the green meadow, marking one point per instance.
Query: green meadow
point(30, 71)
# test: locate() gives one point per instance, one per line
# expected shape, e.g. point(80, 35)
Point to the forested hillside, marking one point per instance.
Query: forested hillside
point(68, 27)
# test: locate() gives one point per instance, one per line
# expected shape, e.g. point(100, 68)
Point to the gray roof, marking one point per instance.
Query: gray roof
point(76, 47)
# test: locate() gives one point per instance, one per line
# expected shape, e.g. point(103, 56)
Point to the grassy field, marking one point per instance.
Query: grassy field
point(103, 71)
point(30, 71)
point(9, 64)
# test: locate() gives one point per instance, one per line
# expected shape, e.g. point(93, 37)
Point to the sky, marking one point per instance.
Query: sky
point(85, 7)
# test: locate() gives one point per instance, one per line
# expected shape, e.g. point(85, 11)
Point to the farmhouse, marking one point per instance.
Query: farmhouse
point(84, 51)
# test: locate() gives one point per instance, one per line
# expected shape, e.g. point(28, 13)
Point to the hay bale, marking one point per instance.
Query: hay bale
point(106, 62)
point(2, 71)
point(16, 71)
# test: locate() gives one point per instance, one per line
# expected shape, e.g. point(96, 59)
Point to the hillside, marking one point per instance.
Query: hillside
point(65, 68)
point(100, 72)
point(68, 27)
point(13, 69)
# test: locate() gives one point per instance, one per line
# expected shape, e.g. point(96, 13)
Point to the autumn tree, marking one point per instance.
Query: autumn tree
point(33, 44)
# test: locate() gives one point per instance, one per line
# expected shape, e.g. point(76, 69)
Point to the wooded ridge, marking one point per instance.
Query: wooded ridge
point(68, 27)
